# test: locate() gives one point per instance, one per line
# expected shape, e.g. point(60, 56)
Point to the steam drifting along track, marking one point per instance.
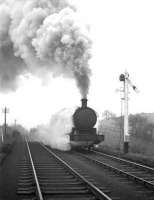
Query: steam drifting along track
point(43, 175)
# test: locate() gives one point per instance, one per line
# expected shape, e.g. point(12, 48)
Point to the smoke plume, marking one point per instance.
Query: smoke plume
point(42, 36)
point(56, 133)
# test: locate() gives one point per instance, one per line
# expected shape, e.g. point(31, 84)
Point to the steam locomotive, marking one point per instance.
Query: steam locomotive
point(83, 133)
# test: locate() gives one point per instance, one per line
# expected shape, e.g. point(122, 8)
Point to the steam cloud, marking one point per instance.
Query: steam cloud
point(42, 36)
point(56, 133)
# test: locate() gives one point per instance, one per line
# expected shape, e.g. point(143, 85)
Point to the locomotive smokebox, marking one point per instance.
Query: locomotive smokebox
point(83, 133)
point(84, 103)
point(84, 118)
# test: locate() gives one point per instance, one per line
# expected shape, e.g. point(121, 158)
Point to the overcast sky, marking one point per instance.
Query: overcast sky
point(122, 33)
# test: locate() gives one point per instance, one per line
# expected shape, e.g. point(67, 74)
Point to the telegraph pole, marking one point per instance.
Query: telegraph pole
point(2, 135)
point(5, 111)
point(15, 123)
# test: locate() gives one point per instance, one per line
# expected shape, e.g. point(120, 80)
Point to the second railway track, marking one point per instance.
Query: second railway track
point(135, 171)
point(105, 176)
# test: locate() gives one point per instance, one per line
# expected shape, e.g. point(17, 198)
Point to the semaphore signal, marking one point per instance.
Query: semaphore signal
point(127, 82)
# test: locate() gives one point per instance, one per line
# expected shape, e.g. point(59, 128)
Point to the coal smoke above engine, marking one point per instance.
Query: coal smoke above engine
point(83, 133)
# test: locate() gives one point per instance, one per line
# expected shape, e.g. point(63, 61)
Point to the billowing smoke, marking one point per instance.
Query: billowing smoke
point(56, 133)
point(42, 36)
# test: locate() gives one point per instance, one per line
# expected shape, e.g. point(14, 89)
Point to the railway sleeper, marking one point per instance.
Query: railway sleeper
point(61, 184)
point(58, 192)
point(26, 184)
point(26, 190)
point(27, 174)
point(61, 178)
point(23, 180)
point(71, 197)
point(54, 176)
point(51, 181)
point(48, 165)
point(49, 169)
point(60, 187)
point(52, 173)
point(28, 177)
point(23, 168)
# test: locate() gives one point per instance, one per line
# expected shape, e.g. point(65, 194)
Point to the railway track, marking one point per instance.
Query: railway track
point(43, 175)
point(118, 187)
point(138, 173)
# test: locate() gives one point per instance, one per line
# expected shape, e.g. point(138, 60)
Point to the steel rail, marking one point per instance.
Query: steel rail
point(96, 191)
point(127, 174)
point(38, 189)
point(125, 161)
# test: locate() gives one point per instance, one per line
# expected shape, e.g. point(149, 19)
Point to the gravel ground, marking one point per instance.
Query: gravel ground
point(9, 172)
point(143, 159)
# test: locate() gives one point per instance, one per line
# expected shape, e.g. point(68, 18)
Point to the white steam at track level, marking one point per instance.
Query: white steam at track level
point(56, 133)
point(42, 36)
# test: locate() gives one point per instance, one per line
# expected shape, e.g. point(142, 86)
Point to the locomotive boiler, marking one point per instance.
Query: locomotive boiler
point(83, 133)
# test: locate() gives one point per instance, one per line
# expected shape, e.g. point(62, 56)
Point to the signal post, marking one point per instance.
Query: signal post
point(125, 79)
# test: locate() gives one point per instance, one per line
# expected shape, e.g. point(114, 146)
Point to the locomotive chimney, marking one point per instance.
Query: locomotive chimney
point(84, 103)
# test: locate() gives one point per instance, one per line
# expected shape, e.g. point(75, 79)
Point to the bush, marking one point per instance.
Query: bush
point(6, 148)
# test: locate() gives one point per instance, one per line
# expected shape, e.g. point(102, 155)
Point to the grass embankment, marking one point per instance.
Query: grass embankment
point(5, 149)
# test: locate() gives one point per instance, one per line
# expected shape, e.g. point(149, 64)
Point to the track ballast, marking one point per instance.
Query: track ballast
point(43, 175)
